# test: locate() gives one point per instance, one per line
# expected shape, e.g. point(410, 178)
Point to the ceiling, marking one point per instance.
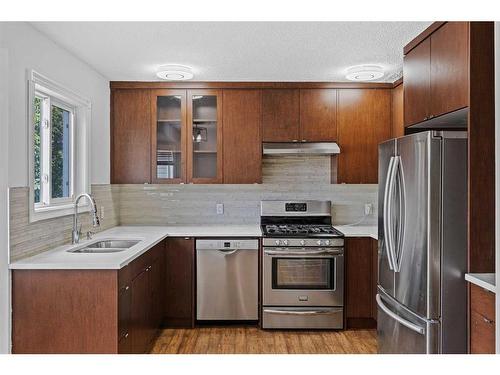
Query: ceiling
point(236, 51)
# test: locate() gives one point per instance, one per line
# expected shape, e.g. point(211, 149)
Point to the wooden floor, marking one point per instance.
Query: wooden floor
point(251, 340)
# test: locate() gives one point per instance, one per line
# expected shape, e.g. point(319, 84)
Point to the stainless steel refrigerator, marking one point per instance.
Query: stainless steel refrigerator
point(422, 249)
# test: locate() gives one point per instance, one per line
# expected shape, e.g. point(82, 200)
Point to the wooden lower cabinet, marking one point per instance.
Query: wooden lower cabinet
point(179, 284)
point(361, 282)
point(482, 321)
point(89, 311)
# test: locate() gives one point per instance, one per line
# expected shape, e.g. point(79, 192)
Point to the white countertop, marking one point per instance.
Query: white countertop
point(484, 280)
point(359, 230)
point(60, 258)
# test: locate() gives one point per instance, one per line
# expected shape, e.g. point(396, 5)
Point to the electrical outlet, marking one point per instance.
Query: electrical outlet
point(368, 208)
point(101, 216)
point(220, 208)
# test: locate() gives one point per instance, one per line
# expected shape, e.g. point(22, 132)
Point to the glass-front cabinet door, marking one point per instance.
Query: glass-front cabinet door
point(204, 136)
point(168, 136)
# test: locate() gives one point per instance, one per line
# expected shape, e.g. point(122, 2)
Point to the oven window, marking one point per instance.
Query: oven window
point(303, 273)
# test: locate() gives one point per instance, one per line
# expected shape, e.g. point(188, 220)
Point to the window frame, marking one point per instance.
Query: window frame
point(54, 94)
point(48, 102)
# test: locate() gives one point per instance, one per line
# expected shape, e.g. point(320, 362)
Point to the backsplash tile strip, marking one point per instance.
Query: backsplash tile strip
point(28, 239)
point(290, 177)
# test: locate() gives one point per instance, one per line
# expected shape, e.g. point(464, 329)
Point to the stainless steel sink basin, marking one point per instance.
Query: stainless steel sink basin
point(106, 246)
point(113, 244)
point(89, 250)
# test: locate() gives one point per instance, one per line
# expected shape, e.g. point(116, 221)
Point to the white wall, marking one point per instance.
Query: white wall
point(29, 49)
point(4, 235)
point(21, 48)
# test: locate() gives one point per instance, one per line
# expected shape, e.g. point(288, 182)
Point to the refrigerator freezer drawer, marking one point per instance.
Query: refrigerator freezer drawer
point(401, 332)
point(303, 317)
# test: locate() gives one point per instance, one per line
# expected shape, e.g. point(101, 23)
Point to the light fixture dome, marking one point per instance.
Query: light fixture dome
point(364, 73)
point(174, 72)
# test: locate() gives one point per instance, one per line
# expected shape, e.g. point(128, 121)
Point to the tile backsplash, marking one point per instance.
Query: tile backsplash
point(284, 178)
point(27, 239)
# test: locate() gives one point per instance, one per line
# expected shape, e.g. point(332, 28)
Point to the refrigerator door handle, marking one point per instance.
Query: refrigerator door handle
point(398, 249)
point(386, 214)
point(396, 317)
point(391, 182)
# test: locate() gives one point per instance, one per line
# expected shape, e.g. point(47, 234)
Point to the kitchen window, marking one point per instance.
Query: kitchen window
point(59, 130)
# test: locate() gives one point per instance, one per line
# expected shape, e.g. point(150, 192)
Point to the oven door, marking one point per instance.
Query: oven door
point(303, 277)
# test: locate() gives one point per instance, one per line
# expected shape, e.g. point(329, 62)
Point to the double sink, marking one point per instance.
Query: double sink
point(105, 246)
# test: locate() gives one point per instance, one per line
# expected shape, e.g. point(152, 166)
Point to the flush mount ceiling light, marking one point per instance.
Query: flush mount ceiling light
point(364, 73)
point(174, 72)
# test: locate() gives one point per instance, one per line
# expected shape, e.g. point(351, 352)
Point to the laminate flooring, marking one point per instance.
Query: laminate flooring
point(251, 340)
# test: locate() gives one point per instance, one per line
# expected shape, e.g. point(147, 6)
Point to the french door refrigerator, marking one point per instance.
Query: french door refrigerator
point(422, 250)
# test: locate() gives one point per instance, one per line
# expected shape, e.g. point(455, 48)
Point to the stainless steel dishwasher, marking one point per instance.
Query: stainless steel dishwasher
point(227, 279)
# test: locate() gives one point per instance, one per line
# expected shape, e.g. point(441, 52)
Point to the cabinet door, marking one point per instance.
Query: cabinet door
point(157, 279)
point(204, 136)
point(482, 321)
point(359, 282)
point(179, 286)
point(168, 139)
point(398, 129)
point(417, 75)
point(318, 115)
point(449, 68)
point(139, 312)
point(242, 136)
point(280, 115)
point(364, 120)
point(130, 137)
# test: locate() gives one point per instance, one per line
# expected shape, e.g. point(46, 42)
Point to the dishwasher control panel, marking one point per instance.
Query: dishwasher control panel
point(227, 244)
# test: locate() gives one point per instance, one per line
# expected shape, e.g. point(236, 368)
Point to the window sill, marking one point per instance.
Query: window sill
point(55, 211)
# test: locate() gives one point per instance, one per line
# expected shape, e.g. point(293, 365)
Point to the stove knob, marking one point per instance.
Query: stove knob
point(302, 242)
point(277, 242)
point(285, 242)
point(318, 242)
point(327, 242)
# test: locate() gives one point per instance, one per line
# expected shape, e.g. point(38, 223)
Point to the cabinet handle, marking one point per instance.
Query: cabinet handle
point(127, 287)
point(295, 140)
point(126, 335)
point(304, 140)
point(486, 320)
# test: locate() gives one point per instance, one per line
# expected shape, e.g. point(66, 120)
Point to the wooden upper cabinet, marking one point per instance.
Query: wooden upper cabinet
point(204, 136)
point(280, 115)
point(398, 129)
point(416, 73)
point(242, 114)
point(130, 137)
point(449, 68)
point(364, 120)
point(436, 74)
point(168, 136)
point(318, 115)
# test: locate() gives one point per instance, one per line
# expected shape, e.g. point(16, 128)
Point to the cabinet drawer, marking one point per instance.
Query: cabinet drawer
point(482, 334)
point(482, 302)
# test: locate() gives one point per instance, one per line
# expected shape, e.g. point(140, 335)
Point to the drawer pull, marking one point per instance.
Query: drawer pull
point(489, 321)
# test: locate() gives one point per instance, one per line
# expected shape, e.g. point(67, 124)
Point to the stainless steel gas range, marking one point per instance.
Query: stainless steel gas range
point(302, 267)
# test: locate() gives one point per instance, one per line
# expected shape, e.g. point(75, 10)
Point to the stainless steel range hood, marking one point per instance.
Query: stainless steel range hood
point(299, 148)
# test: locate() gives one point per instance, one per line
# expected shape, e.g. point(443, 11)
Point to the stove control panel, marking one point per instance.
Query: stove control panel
point(303, 242)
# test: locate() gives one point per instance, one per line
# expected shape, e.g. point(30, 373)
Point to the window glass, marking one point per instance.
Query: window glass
point(37, 142)
point(60, 152)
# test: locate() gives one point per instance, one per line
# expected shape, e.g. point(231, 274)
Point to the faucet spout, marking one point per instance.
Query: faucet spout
point(75, 234)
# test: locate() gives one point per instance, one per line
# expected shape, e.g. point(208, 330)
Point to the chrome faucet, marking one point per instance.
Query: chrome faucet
point(75, 234)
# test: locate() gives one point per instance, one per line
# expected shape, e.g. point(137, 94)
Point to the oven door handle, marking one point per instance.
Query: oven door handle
point(307, 312)
point(319, 252)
